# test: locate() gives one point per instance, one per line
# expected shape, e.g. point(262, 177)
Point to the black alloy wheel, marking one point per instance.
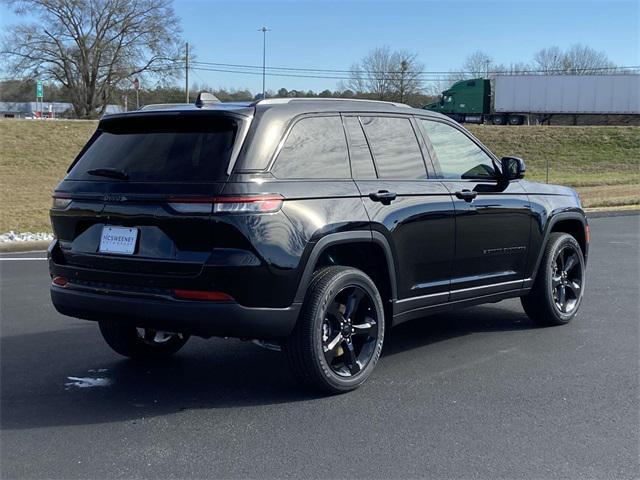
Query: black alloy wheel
point(557, 291)
point(349, 331)
point(338, 338)
point(566, 279)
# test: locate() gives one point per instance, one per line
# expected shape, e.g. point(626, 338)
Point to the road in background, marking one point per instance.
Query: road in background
point(480, 393)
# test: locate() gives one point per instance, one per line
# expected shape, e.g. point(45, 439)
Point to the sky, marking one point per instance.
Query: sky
point(333, 35)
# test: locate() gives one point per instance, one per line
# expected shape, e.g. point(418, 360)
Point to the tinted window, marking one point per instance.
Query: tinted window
point(160, 149)
point(458, 155)
point(395, 147)
point(361, 161)
point(315, 148)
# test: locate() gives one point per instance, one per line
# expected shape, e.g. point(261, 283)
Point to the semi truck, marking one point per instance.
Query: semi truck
point(516, 97)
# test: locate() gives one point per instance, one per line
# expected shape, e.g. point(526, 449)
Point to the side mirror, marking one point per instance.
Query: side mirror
point(512, 168)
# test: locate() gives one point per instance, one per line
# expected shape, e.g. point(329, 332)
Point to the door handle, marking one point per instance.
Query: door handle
point(466, 195)
point(383, 196)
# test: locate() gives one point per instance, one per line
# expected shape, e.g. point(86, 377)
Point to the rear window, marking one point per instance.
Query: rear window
point(162, 149)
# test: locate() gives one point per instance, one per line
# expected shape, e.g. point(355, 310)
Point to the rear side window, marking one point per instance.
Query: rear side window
point(458, 155)
point(160, 149)
point(361, 161)
point(395, 147)
point(315, 148)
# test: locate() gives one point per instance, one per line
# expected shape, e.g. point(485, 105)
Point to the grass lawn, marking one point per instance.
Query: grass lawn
point(34, 156)
point(578, 156)
point(603, 163)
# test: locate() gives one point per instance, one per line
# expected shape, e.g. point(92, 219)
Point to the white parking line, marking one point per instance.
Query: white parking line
point(24, 253)
point(23, 258)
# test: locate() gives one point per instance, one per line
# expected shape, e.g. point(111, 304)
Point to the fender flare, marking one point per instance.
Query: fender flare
point(341, 238)
point(555, 218)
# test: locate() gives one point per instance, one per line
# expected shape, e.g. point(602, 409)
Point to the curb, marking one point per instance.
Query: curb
point(19, 247)
point(612, 213)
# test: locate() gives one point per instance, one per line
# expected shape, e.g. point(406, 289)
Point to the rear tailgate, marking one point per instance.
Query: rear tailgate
point(138, 198)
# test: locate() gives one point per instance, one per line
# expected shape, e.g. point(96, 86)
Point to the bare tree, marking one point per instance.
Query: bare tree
point(549, 60)
point(584, 60)
point(478, 64)
point(356, 82)
point(577, 60)
point(92, 46)
point(371, 74)
point(406, 74)
point(385, 74)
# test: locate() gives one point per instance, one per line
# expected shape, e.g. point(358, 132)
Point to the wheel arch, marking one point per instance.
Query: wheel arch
point(573, 223)
point(366, 250)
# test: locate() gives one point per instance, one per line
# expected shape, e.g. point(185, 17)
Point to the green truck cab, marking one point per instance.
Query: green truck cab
point(466, 101)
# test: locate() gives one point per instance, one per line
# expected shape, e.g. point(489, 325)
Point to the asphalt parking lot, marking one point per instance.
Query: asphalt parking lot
point(481, 393)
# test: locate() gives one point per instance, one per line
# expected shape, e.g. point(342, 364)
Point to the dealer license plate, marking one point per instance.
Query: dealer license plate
point(118, 240)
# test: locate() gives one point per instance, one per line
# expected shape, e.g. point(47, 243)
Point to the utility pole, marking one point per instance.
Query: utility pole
point(136, 86)
point(487, 67)
point(264, 31)
point(404, 66)
point(186, 72)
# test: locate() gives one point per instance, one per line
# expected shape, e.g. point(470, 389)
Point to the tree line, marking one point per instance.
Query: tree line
point(24, 91)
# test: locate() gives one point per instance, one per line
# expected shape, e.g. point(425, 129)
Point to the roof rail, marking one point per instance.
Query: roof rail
point(280, 101)
point(159, 106)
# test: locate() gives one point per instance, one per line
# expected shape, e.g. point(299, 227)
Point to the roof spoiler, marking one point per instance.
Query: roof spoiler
point(206, 98)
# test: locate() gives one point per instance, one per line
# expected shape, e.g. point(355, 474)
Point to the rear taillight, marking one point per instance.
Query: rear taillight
point(230, 204)
point(60, 281)
point(191, 205)
point(248, 204)
point(211, 296)
point(60, 201)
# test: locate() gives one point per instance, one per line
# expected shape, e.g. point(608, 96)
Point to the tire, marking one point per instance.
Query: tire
point(498, 120)
point(562, 269)
point(515, 120)
point(128, 341)
point(338, 338)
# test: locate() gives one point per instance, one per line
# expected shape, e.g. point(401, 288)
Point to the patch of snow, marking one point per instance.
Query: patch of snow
point(25, 237)
point(87, 382)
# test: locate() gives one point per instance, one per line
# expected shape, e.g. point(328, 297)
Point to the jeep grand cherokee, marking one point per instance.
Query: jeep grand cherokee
point(316, 224)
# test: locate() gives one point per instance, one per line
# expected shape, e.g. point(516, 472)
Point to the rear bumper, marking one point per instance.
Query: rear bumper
point(227, 319)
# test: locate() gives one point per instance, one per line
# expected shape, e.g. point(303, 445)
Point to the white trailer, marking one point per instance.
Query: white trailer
point(567, 94)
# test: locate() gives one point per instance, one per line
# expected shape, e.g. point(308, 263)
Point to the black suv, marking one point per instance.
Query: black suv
point(311, 224)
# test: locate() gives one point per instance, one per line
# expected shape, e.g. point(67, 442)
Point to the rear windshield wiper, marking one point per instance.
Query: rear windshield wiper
point(109, 172)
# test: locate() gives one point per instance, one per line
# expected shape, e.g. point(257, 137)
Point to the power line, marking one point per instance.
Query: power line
point(422, 72)
point(272, 74)
point(336, 74)
point(364, 76)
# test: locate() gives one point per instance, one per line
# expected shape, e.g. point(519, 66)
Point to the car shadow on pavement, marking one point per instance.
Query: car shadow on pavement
point(436, 328)
point(68, 377)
